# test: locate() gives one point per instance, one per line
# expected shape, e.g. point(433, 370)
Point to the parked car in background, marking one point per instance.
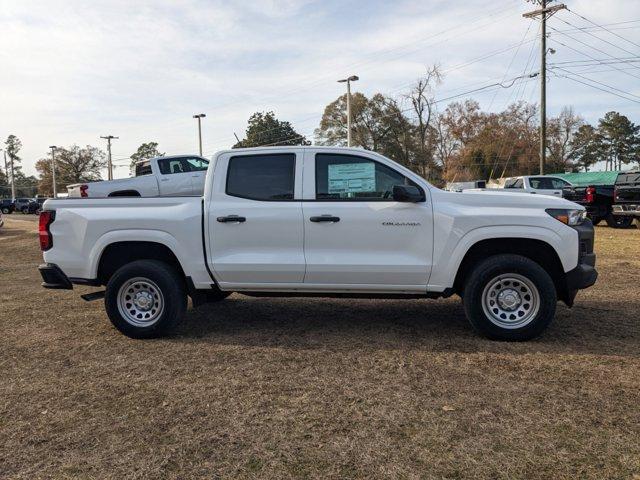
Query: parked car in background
point(321, 221)
point(539, 184)
point(160, 176)
point(25, 205)
point(626, 202)
point(7, 205)
point(598, 200)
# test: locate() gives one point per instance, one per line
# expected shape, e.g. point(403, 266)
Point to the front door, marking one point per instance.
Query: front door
point(355, 233)
point(255, 220)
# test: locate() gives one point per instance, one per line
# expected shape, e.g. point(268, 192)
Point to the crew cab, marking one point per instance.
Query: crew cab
point(321, 221)
point(540, 184)
point(160, 176)
point(627, 196)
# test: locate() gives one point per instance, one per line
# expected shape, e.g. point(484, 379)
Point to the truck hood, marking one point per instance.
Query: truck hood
point(487, 198)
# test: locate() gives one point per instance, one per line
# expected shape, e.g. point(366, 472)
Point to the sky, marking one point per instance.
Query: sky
point(72, 71)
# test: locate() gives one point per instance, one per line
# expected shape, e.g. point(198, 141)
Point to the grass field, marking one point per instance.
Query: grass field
point(317, 388)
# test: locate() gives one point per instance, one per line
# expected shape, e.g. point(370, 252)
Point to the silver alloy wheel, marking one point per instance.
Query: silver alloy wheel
point(140, 302)
point(510, 301)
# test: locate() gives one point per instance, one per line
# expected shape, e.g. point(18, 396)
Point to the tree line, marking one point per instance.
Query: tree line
point(458, 142)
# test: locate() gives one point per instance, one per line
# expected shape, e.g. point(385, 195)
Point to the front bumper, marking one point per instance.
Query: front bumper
point(626, 210)
point(585, 274)
point(53, 277)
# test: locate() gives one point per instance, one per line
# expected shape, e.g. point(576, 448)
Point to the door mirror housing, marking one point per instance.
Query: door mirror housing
point(407, 193)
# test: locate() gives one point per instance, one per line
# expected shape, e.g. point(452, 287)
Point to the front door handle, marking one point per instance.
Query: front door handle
point(231, 218)
point(325, 218)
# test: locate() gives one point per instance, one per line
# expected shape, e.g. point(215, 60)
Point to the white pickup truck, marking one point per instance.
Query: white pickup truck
point(321, 221)
point(160, 176)
point(540, 184)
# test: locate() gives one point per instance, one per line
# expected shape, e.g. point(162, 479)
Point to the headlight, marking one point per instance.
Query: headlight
point(566, 216)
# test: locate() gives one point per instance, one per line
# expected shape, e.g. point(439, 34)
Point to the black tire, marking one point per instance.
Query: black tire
point(596, 220)
point(171, 291)
point(5, 211)
point(25, 211)
point(488, 272)
point(619, 221)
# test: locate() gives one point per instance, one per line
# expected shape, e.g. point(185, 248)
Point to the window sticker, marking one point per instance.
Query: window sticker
point(352, 178)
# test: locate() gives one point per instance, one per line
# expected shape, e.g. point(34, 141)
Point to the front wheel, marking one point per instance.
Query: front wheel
point(509, 297)
point(5, 211)
point(145, 299)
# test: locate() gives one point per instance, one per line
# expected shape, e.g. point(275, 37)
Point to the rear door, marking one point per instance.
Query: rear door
point(255, 220)
point(355, 233)
point(175, 176)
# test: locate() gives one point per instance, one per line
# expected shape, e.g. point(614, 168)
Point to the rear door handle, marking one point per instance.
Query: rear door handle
point(325, 218)
point(231, 218)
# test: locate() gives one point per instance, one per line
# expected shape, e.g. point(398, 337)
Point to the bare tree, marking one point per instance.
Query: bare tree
point(423, 105)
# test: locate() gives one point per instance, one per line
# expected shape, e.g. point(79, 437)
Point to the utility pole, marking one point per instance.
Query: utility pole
point(544, 13)
point(13, 178)
point(53, 170)
point(200, 116)
point(108, 138)
point(352, 78)
point(6, 169)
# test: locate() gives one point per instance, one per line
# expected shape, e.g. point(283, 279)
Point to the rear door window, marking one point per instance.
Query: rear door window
point(269, 177)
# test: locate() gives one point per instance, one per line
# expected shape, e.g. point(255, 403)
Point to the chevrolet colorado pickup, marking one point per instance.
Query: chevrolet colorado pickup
point(321, 221)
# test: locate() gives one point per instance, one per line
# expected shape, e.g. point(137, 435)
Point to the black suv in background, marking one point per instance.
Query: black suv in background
point(7, 205)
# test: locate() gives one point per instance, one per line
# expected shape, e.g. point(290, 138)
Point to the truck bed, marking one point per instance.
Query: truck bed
point(84, 226)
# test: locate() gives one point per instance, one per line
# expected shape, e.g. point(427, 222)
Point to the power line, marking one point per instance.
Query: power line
point(604, 28)
point(598, 38)
point(600, 83)
point(596, 87)
point(590, 46)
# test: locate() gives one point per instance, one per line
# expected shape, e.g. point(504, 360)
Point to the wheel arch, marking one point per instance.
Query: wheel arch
point(536, 250)
point(120, 253)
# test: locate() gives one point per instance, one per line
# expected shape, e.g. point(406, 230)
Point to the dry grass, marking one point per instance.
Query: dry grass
point(317, 388)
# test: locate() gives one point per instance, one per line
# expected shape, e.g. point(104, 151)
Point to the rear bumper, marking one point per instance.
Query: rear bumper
point(53, 277)
point(626, 210)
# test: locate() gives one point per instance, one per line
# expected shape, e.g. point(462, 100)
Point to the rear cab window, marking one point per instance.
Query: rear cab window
point(143, 168)
point(266, 177)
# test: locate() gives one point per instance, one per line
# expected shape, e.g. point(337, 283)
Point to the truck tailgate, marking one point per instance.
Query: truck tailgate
point(574, 194)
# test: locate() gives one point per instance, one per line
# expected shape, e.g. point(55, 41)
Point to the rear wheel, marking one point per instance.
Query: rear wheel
point(145, 299)
point(596, 220)
point(5, 211)
point(509, 297)
point(619, 221)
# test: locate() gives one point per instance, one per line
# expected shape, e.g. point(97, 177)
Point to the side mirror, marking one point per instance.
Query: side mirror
point(407, 193)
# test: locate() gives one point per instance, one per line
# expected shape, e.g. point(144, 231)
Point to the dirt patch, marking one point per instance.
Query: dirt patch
point(317, 388)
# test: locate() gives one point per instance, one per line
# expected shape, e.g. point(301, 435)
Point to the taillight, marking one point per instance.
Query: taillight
point(46, 219)
point(83, 190)
point(590, 194)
